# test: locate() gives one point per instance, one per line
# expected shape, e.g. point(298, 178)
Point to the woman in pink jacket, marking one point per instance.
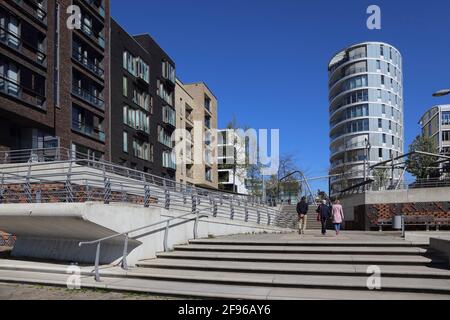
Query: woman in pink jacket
point(338, 216)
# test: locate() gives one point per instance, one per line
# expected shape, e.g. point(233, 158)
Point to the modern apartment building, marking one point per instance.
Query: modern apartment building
point(435, 124)
point(196, 108)
point(231, 157)
point(366, 111)
point(143, 111)
point(54, 81)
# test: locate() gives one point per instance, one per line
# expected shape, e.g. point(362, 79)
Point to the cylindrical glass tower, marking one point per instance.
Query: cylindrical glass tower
point(366, 112)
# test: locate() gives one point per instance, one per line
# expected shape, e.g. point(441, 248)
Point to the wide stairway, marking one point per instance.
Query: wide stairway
point(270, 266)
point(289, 215)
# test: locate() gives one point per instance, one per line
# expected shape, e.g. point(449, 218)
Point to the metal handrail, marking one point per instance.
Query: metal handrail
point(124, 263)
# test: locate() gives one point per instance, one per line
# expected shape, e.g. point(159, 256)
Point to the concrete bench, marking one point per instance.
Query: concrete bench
point(442, 246)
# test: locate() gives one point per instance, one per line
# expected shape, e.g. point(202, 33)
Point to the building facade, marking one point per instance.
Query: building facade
point(196, 108)
point(54, 80)
point(142, 95)
point(231, 162)
point(435, 124)
point(366, 111)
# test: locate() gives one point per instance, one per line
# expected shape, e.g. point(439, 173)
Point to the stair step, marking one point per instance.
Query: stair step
point(281, 268)
point(302, 250)
point(215, 291)
point(441, 286)
point(305, 258)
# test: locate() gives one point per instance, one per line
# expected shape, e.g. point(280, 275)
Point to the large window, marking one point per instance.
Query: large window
point(142, 99)
point(125, 141)
point(356, 82)
point(167, 160)
point(357, 126)
point(141, 149)
point(164, 137)
point(137, 119)
point(168, 71)
point(358, 96)
point(446, 118)
point(165, 93)
point(446, 136)
point(169, 115)
point(136, 66)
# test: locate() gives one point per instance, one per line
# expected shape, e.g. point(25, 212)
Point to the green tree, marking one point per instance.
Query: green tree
point(422, 166)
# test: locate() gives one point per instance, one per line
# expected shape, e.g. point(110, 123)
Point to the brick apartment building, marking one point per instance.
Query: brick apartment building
point(54, 81)
point(142, 103)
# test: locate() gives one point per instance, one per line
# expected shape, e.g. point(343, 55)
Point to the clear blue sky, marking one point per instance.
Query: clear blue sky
point(266, 60)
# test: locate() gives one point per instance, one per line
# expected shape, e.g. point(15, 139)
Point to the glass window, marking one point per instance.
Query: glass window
point(446, 136)
point(125, 141)
point(378, 64)
point(382, 50)
point(384, 138)
point(380, 123)
point(446, 118)
point(380, 153)
point(125, 87)
point(382, 80)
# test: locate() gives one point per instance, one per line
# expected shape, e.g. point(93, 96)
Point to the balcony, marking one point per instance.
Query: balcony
point(97, 7)
point(87, 96)
point(91, 131)
point(90, 34)
point(14, 41)
point(12, 88)
point(88, 64)
point(34, 8)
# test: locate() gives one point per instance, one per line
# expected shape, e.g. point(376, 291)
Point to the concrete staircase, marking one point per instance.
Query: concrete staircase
point(290, 217)
point(269, 266)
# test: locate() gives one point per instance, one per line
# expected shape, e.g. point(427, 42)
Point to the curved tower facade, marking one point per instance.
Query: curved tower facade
point(366, 112)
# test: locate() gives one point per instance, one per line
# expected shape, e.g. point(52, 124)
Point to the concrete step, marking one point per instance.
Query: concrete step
point(410, 251)
point(396, 284)
point(213, 290)
point(332, 242)
point(305, 258)
point(303, 269)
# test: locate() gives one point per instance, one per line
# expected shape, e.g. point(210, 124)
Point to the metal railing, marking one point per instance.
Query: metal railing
point(88, 97)
point(15, 41)
point(14, 89)
point(88, 63)
point(62, 175)
point(126, 235)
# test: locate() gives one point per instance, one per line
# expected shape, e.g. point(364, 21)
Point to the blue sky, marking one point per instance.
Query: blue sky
point(266, 60)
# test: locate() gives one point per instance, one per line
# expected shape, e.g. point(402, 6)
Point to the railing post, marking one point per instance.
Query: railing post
point(194, 204)
point(68, 185)
point(231, 209)
point(146, 196)
point(268, 217)
point(107, 192)
point(196, 225)
point(123, 193)
point(97, 262)
point(1, 188)
point(27, 186)
point(125, 253)
point(166, 237)
point(214, 208)
point(166, 195)
point(258, 214)
point(246, 212)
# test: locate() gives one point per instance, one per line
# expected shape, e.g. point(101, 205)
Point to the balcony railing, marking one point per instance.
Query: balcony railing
point(88, 97)
point(89, 64)
point(88, 130)
point(12, 88)
point(33, 8)
point(14, 41)
point(100, 9)
point(97, 38)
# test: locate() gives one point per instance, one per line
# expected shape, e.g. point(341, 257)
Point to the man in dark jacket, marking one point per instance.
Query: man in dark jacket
point(324, 213)
point(302, 210)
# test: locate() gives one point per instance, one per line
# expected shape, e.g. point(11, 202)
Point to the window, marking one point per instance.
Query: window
point(389, 68)
point(384, 138)
point(125, 141)
point(383, 109)
point(169, 115)
point(357, 111)
point(137, 119)
point(382, 50)
point(142, 99)
point(380, 153)
point(356, 82)
point(165, 93)
point(392, 112)
point(207, 103)
point(141, 149)
point(390, 125)
point(164, 137)
point(168, 71)
point(380, 123)
point(379, 94)
point(378, 65)
point(167, 160)
point(125, 87)
point(382, 80)
point(446, 136)
point(446, 118)
point(136, 66)
point(393, 141)
point(208, 174)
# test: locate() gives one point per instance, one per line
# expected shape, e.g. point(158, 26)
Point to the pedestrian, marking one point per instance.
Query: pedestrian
point(302, 211)
point(338, 216)
point(323, 214)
